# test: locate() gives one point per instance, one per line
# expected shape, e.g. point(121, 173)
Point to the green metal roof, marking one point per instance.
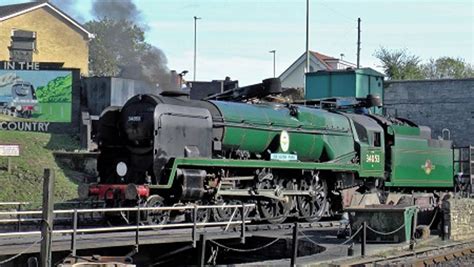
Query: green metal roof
point(362, 71)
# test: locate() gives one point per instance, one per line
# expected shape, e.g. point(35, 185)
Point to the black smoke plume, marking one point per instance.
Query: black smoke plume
point(152, 65)
point(116, 9)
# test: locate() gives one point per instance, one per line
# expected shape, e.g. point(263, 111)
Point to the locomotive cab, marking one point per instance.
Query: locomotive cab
point(369, 139)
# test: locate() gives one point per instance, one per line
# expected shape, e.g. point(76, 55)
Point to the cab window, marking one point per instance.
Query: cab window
point(361, 132)
point(377, 141)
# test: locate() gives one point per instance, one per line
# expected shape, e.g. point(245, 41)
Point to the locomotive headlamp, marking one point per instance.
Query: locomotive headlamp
point(121, 168)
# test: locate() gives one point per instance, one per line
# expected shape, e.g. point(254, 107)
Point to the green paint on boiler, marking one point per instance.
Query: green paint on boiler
point(257, 128)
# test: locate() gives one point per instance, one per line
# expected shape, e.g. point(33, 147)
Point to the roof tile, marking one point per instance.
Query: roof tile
point(12, 9)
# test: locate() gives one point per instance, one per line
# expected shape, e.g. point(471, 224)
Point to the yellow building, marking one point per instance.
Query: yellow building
point(40, 32)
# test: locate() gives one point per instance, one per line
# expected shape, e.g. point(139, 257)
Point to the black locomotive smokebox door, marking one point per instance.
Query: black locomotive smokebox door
point(181, 131)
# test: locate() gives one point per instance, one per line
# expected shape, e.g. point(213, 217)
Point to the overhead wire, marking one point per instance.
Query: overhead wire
point(346, 17)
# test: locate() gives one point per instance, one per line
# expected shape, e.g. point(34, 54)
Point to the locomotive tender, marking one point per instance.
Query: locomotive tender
point(292, 160)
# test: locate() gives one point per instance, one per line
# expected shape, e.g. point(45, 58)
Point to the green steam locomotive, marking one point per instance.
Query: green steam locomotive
point(291, 160)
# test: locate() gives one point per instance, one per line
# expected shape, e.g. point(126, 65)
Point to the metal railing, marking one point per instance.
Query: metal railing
point(18, 205)
point(21, 212)
point(196, 237)
point(74, 230)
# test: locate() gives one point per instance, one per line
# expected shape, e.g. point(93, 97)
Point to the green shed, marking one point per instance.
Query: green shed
point(344, 83)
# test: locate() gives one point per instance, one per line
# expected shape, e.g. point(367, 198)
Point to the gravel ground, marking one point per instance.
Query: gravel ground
point(464, 261)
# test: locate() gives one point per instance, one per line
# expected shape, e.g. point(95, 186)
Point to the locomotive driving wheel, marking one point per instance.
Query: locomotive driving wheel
point(156, 216)
point(311, 208)
point(272, 210)
point(202, 215)
point(225, 214)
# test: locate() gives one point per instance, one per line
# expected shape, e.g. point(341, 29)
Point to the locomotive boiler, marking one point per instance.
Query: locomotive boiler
point(292, 160)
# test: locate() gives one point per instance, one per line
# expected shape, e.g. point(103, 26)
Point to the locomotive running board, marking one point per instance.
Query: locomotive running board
point(196, 163)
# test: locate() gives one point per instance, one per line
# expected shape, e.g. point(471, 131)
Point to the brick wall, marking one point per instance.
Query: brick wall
point(57, 40)
point(459, 217)
point(438, 104)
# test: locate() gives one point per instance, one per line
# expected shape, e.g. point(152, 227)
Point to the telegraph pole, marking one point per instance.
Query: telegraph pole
point(47, 222)
point(195, 44)
point(307, 36)
point(307, 46)
point(358, 42)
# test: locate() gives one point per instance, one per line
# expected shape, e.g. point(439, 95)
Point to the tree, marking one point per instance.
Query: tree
point(447, 68)
point(399, 64)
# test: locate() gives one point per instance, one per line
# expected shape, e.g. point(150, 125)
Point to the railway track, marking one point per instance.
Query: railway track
point(435, 257)
point(457, 254)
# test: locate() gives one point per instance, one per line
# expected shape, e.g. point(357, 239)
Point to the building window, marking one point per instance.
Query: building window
point(22, 45)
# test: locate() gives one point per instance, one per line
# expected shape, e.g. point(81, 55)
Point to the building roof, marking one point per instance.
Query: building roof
point(322, 58)
point(314, 57)
point(10, 11)
point(362, 71)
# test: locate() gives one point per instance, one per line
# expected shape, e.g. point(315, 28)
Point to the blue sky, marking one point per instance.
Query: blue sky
point(234, 37)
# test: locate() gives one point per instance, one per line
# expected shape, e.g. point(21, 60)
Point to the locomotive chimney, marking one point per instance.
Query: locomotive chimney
point(175, 80)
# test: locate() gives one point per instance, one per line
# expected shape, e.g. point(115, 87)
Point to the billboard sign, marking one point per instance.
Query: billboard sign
point(34, 97)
